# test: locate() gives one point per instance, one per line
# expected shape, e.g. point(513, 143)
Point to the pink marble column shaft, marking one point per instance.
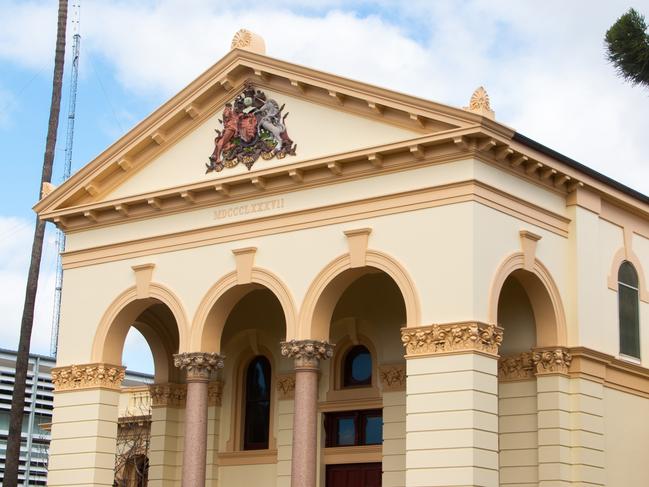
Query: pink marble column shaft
point(198, 366)
point(307, 355)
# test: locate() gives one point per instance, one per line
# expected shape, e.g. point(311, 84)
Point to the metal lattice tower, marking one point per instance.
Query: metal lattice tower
point(69, 139)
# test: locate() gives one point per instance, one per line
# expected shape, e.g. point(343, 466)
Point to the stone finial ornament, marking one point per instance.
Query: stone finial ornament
point(480, 103)
point(244, 39)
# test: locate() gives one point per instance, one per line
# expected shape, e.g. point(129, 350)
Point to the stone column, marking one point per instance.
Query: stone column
point(84, 426)
point(198, 367)
point(554, 421)
point(165, 450)
point(452, 405)
point(307, 355)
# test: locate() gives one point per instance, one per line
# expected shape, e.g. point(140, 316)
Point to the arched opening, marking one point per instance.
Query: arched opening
point(526, 312)
point(157, 324)
point(250, 340)
point(628, 294)
point(364, 311)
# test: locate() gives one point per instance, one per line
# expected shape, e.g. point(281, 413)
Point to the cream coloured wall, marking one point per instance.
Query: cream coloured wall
point(317, 130)
point(626, 439)
point(248, 475)
point(437, 262)
point(497, 237)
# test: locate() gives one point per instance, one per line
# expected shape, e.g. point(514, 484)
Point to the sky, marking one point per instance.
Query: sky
point(542, 63)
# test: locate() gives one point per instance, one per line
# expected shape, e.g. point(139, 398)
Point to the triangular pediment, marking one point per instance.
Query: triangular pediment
point(328, 116)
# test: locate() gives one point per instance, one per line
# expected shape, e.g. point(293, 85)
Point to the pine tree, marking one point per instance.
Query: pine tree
point(627, 47)
point(22, 358)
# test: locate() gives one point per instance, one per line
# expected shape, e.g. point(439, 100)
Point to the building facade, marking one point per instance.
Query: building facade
point(349, 286)
point(39, 396)
point(134, 402)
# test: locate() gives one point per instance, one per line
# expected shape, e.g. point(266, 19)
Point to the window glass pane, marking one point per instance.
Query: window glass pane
point(373, 430)
point(627, 274)
point(629, 326)
point(257, 407)
point(346, 432)
point(362, 367)
point(357, 370)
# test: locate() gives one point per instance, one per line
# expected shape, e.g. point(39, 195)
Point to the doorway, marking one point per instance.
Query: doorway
point(354, 475)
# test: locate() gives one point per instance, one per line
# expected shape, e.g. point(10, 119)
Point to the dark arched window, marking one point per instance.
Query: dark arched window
point(357, 367)
point(628, 309)
point(257, 405)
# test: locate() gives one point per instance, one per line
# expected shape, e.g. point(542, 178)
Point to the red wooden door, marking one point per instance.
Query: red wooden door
point(354, 475)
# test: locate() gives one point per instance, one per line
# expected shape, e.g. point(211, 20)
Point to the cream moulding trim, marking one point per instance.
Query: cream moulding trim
point(88, 376)
point(393, 377)
point(286, 386)
point(463, 191)
point(395, 157)
point(452, 338)
point(240, 187)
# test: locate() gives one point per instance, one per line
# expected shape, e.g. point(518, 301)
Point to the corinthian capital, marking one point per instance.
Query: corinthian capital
point(87, 376)
point(307, 353)
point(198, 365)
point(552, 360)
point(452, 337)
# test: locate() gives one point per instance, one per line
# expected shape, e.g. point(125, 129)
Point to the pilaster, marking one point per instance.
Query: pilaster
point(285, 407)
point(517, 421)
point(452, 405)
point(165, 451)
point(84, 425)
point(554, 418)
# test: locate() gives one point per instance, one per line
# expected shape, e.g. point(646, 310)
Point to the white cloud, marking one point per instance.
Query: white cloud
point(28, 32)
point(15, 242)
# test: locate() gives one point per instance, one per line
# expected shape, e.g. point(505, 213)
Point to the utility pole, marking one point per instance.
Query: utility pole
point(22, 358)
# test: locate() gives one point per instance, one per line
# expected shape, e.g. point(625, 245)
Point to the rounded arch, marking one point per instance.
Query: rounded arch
point(325, 290)
point(543, 294)
point(220, 299)
point(128, 310)
point(628, 255)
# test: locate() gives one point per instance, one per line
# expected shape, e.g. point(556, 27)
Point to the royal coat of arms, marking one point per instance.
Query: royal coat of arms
point(253, 126)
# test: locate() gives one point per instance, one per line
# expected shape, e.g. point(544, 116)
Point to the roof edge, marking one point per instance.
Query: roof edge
point(533, 144)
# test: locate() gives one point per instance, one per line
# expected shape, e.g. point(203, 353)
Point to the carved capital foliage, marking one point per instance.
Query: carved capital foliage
point(88, 376)
point(516, 367)
point(307, 353)
point(198, 365)
point(286, 386)
point(214, 393)
point(552, 360)
point(393, 377)
point(169, 395)
point(526, 365)
point(452, 337)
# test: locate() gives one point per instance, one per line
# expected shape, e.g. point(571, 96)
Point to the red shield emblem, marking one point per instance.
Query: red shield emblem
point(248, 127)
